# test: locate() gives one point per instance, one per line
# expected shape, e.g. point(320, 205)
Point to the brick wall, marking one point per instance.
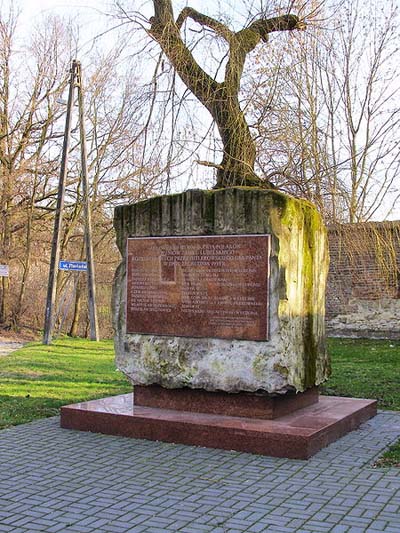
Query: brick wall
point(365, 264)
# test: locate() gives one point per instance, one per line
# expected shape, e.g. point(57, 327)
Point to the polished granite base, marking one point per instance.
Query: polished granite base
point(243, 404)
point(298, 435)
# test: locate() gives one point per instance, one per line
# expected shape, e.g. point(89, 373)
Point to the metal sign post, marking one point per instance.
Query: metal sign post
point(94, 327)
point(75, 81)
point(55, 248)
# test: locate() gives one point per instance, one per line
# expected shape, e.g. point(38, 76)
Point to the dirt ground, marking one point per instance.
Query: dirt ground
point(10, 341)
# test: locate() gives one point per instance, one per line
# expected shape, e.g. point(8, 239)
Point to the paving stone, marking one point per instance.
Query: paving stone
point(197, 528)
point(80, 529)
point(56, 528)
point(60, 481)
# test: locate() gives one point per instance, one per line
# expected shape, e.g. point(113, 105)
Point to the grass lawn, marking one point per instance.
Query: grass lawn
point(37, 380)
point(391, 457)
point(363, 368)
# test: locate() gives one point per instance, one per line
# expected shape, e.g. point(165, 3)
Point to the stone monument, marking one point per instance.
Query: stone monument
point(218, 308)
point(222, 290)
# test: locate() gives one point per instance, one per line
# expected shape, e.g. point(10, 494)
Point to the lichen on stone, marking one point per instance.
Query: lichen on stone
point(294, 356)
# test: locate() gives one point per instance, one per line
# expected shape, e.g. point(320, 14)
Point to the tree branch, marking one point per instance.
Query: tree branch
point(282, 23)
point(245, 40)
point(166, 33)
point(209, 164)
point(204, 20)
point(163, 13)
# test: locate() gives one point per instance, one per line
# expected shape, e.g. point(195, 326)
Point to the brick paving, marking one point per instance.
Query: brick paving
point(54, 480)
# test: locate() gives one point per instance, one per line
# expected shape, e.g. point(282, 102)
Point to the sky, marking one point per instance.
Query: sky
point(90, 14)
point(87, 12)
point(37, 8)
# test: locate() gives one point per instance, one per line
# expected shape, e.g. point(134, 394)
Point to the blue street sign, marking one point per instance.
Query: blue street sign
point(73, 265)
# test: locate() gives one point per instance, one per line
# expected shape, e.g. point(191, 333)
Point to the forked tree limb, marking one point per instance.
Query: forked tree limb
point(204, 20)
point(220, 98)
point(282, 23)
point(165, 31)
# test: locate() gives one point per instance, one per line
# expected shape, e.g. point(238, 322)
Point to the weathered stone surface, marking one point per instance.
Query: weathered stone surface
point(368, 318)
point(295, 355)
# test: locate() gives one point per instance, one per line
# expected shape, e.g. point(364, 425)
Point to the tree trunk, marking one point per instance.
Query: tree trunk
point(5, 254)
point(73, 332)
point(4, 301)
point(221, 99)
point(237, 166)
point(26, 267)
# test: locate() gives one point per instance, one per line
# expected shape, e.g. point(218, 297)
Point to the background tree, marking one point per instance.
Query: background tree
point(35, 72)
point(28, 113)
point(220, 98)
point(328, 128)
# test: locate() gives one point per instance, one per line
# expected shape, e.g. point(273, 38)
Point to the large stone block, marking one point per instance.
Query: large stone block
point(294, 356)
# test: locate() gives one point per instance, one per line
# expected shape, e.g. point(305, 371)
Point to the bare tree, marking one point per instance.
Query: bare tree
point(221, 98)
point(369, 102)
point(34, 76)
point(333, 110)
point(28, 113)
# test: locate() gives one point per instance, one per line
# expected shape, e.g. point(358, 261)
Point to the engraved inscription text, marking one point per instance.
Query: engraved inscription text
point(199, 286)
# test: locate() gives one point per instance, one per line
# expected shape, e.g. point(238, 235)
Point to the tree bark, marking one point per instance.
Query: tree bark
point(73, 332)
point(220, 99)
point(239, 147)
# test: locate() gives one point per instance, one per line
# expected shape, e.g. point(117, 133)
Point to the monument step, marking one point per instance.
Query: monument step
point(298, 435)
point(243, 404)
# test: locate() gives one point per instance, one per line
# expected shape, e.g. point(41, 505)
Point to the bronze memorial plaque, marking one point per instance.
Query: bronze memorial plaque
point(199, 286)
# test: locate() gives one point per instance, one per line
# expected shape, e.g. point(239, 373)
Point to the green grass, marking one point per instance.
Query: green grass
point(391, 457)
point(37, 380)
point(368, 369)
point(364, 368)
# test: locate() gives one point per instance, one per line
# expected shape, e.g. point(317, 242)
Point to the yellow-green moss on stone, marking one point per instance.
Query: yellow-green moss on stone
point(295, 355)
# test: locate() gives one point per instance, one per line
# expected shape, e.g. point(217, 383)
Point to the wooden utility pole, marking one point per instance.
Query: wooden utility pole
point(94, 327)
point(75, 81)
point(55, 247)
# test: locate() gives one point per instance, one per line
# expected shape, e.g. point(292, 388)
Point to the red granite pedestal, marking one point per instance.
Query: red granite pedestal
point(296, 435)
point(242, 404)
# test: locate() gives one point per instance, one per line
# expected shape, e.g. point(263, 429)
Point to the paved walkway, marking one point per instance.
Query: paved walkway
point(56, 480)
